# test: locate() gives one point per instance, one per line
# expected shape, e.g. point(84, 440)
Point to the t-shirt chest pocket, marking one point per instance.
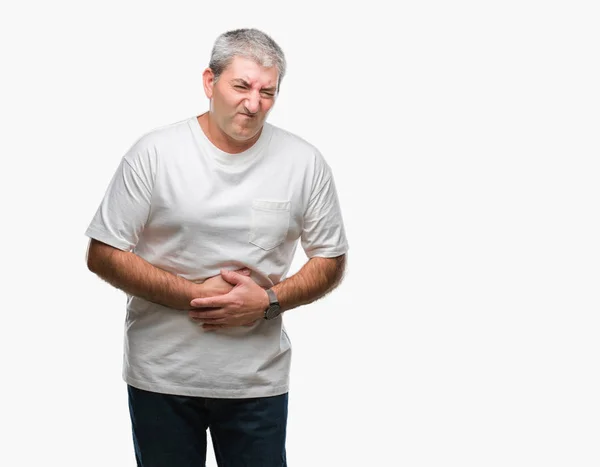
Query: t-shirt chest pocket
point(270, 223)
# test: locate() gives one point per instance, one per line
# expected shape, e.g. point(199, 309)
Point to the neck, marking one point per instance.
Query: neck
point(220, 139)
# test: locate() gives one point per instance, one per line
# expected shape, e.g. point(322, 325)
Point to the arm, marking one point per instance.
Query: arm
point(135, 276)
point(116, 229)
point(314, 280)
point(248, 301)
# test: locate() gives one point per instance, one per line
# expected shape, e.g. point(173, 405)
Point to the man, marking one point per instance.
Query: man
point(199, 227)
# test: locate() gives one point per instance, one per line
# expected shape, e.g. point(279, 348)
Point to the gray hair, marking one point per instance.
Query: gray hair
point(249, 43)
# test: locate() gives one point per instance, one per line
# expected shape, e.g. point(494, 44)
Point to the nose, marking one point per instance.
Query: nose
point(252, 103)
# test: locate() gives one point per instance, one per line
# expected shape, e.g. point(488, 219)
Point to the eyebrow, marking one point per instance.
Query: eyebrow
point(245, 83)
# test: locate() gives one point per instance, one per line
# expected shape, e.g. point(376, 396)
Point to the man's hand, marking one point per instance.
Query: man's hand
point(216, 285)
point(242, 306)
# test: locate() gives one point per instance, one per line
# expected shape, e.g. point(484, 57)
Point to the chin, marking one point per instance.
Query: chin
point(243, 134)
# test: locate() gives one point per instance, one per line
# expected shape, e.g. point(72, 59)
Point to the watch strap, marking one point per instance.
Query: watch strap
point(272, 297)
point(273, 310)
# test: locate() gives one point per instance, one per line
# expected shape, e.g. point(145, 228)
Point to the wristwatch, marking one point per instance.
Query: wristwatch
point(274, 310)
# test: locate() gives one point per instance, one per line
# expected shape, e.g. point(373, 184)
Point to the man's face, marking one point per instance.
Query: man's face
point(242, 97)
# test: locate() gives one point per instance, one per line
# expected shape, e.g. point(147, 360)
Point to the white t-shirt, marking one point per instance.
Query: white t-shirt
point(191, 209)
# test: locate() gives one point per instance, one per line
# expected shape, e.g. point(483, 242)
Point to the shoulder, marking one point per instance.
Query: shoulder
point(295, 146)
point(162, 135)
point(149, 146)
point(302, 157)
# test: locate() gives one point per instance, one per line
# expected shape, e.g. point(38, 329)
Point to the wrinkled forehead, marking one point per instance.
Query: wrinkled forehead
point(246, 69)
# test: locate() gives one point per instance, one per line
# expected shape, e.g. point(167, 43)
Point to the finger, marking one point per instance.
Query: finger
point(209, 302)
point(216, 313)
point(202, 319)
point(206, 309)
point(243, 271)
point(232, 277)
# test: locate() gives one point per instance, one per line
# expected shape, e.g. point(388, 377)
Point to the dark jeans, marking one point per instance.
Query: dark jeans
point(170, 431)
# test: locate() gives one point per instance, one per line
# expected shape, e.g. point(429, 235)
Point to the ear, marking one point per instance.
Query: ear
point(208, 80)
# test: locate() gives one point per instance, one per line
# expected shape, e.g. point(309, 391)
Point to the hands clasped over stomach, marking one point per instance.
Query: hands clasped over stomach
point(231, 299)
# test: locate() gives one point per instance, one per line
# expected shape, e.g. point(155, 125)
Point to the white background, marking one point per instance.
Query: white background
point(464, 142)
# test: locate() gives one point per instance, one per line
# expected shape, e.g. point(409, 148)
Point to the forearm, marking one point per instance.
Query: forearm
point(135, 276)
point(315, 279)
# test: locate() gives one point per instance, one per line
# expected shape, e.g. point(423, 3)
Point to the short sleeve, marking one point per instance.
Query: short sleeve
point(125, 208)
point(324, 234)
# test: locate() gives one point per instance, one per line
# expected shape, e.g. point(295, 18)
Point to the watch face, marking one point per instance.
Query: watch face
point(272, 312)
